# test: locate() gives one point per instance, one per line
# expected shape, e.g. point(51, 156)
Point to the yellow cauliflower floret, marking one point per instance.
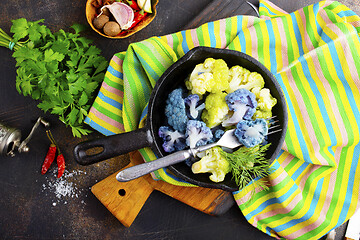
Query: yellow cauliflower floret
point(254, 79)
point(221, 76)
point(210, 76)
point(237, 78)
point(216, 109)
point(265, 102)
point(213, 162)
point(201, 84)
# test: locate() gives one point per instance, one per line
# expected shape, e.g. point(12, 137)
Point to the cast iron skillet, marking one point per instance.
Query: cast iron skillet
point(172, 78)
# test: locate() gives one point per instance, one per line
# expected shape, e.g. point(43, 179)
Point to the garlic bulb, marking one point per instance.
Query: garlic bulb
point(123, 14)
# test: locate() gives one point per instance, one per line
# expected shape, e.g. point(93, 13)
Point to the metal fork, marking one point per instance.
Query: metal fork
point(228, 140)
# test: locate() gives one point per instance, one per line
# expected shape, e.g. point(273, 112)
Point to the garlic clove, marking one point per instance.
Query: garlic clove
point(123, 14)
point(145, 4)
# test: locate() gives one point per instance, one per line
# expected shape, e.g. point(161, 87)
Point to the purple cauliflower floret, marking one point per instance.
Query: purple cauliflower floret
point(251, 133)
point(218, 134)
point(173, 140)
point(175, 110)
point(192, 101)
point(197, 134)
point(243, 104)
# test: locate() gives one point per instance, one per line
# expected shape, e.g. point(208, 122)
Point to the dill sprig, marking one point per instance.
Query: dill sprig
point(248, 164)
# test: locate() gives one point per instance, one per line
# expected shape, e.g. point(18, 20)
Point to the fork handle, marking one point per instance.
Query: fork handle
point(203, 148)
point(148, 167)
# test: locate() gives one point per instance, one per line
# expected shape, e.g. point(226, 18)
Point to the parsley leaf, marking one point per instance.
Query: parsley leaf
point(83, 99)
point(60, 46)
point(19, 28)
point(26, 87)
point(50, 55)
point(72, 116)
point(45, 105)
point(79, 27)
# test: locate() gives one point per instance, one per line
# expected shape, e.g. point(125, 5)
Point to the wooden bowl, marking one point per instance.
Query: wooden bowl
point(91, 14)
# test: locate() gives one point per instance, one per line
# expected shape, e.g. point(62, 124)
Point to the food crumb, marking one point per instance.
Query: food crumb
point(54, 204)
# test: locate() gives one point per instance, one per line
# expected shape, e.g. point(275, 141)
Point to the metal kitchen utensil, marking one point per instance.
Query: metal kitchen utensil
point(10, 139)
point(256, 9)
point(228, 140)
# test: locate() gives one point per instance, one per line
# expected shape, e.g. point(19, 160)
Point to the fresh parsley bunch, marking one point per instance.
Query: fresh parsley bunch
point(61, 70)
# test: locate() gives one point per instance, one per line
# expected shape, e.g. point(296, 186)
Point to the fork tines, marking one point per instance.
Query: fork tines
point(275, 128)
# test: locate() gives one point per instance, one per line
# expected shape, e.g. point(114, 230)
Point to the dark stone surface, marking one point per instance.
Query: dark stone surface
point(29, 207)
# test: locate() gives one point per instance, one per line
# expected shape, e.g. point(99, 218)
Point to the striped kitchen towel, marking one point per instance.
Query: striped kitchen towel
point(313, 53)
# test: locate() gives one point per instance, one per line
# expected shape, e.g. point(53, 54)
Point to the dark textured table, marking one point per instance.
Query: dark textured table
point(35, 206)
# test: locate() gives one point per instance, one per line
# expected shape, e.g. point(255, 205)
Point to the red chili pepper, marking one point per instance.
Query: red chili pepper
point(61, 165)
point(133, 4)
point(138, 16)
point(50, 156)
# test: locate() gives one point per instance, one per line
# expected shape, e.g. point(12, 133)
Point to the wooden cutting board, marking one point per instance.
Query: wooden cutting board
point(125, 199)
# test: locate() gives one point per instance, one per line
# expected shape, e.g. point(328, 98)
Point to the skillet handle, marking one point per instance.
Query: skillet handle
point(112, 146)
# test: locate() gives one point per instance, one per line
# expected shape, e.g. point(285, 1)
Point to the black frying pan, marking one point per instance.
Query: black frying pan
point(172, 78)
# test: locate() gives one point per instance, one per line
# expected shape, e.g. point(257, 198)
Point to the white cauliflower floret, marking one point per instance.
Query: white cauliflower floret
point(201, 78)
point(213, 162)
point(237, 75)
point(210, 76)
point(201, 84)
point(242, 78)
point(253, 80)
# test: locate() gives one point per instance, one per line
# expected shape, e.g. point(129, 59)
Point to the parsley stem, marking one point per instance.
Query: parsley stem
point(5, 40)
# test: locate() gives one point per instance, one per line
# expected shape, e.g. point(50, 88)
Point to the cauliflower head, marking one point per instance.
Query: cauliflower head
point(175, 110)
point(201, 78)
point(242, 103)
point(197, 134)
point(213, 162)
point(253, 80)
point(215, 110)
point(265, 102)
point(238, 76)
point(194, 108)
point(201, 84)
point(210, 76)
point(251, 133)
point(172, 140)
point(221, 76)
